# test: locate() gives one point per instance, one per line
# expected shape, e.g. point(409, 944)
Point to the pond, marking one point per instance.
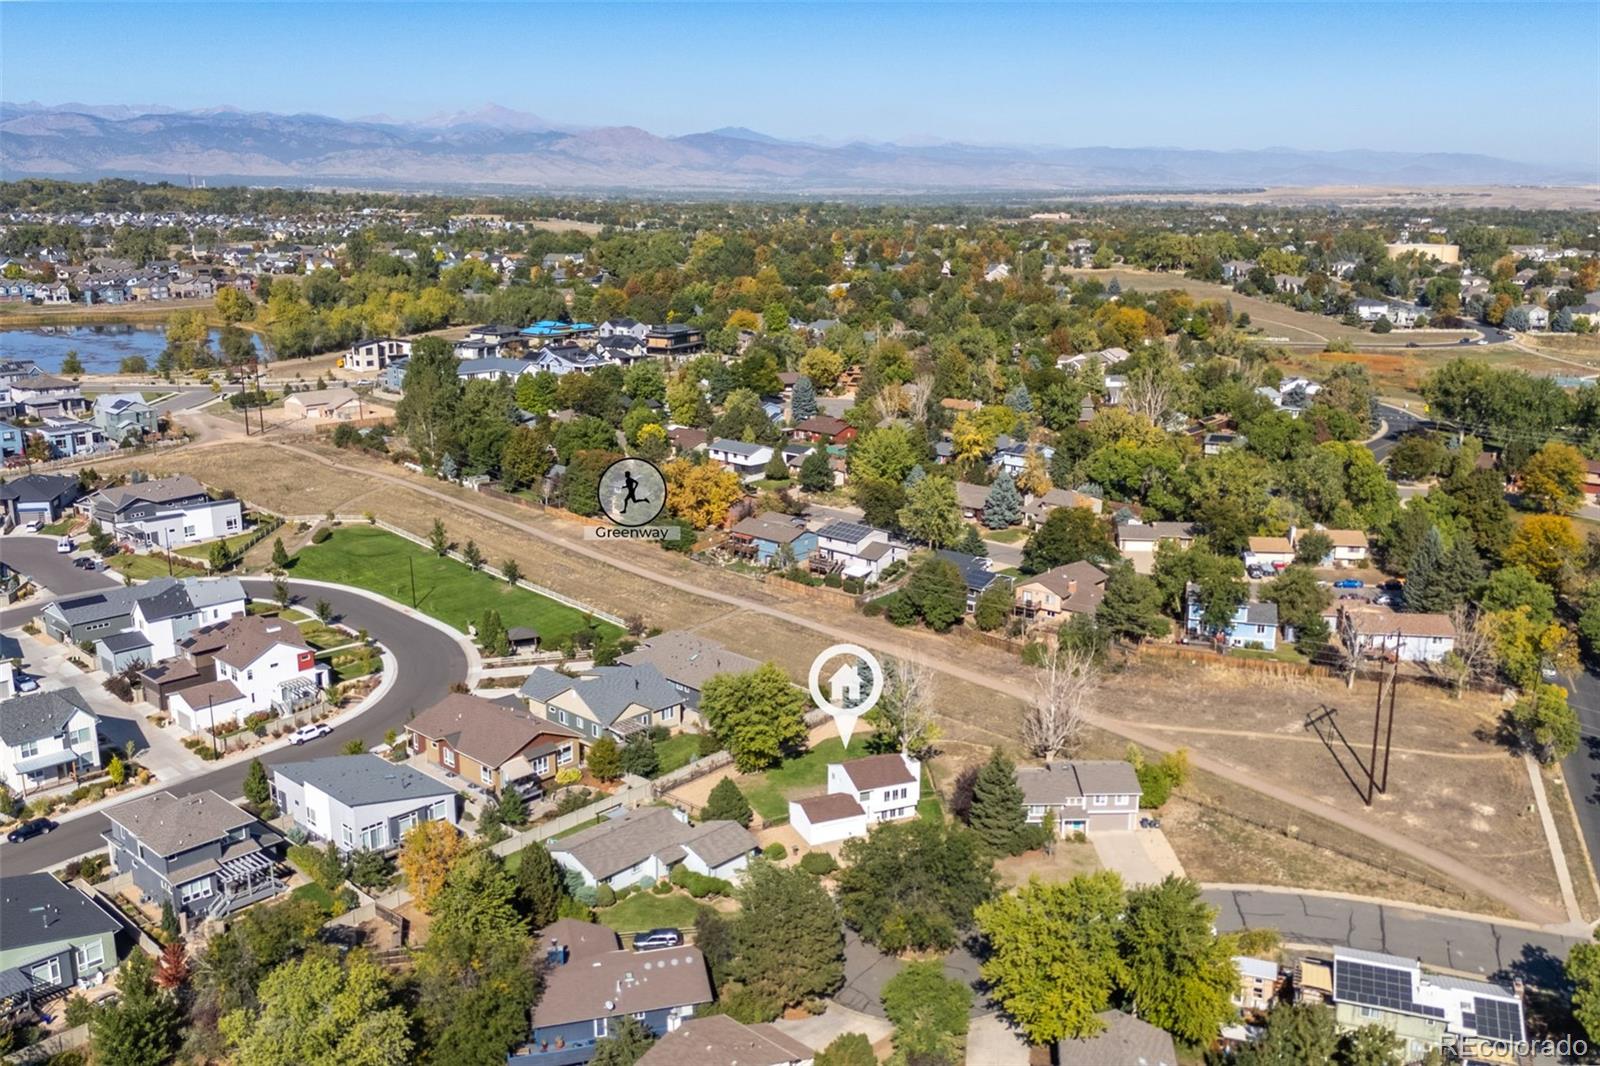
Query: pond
point(100, 349)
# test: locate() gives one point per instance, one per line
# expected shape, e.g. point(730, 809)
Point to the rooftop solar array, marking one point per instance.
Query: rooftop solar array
point(1365, 984)
point(847, 531)
point(1495, 1019)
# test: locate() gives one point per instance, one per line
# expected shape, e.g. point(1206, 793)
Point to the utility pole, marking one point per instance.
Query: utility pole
point(1377, 726)
point(1388, 735)
point(411, 565)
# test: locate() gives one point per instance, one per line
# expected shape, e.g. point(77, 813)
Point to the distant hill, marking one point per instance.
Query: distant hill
point(499, 146)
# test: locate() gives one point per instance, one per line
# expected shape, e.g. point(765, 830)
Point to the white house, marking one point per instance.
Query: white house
point(1411, 637)
point(624, 327)
point(260, 663)
point(1084, 795)
point(747, 460)
point(360, 802)
point(375, 354)
point(1137, 541)
point(642, 847)
point(164, 512)
point(182, 607)
point(47, 738)
point(1350, 547)
point(878, 788)
point(858, 550)
point(1268, 553)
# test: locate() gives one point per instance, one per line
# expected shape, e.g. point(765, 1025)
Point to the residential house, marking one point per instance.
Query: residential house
point(393, 377)
point(42, 395)
point(1254, 625)
point(614, 700)
point(1426, 1011)
point(336, 404)
point(972, 499)
point(563, 359)
point(360, 802)
point(1219, 441)
point(1084, 795)
point(675, 341)
point(47, 738)
point(200, 853)
point(717, 1038)
point(38, 496)
point(855, 550)
point(1236, 270)
point(623, 327)
point(375, 354)
point(763, 537)
point(624, 350)
point(1035, 509)
point(687, 660)
point(1538, 317)
point(496, 744)
point(1372, 629)
point(1055, 596)
point(168, 609)
point(642, 846)
point(493, 369)
point(1012, 457)
point(977, 573)
point(52, 937)
point(13, 440)
point(68, 437)
point(590, 981)
point(164, 512)
point(1350, 547)
point(746, 459)
point(258, 664)
point(124, 416)
point(90, 616)
point(1124, 1040)
point(1591, 480)
point(1137, 540)
point(1268, 553)
point(861, 793)
point(685, 439)
point(824, 429)
point(1260, 983)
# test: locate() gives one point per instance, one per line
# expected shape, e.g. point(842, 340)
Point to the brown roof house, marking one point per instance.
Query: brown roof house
point(824, 429)
point(493, 744)
point(687, 660)
point(1125, 1041)
point(861, 792)
point(642, 847)
point(1035, 509)
point(717, 1038)
point(1379, 631)
point(1051, 597)
point(592, 980)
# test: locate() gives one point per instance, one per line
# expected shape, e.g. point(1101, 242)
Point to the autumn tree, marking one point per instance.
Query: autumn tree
point(1057, 719)
point(316, 1011)
point(702, 494)
point(904, 718)
point(427, 852)
point(1546, 545)
point(1552, 478)
point(1177, 972)
point(605, 759)
point(932, 513)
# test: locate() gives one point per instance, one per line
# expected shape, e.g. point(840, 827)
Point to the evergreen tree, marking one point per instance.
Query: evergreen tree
point(511, 808)
point(257, 789)
point(1132, 606)
point(1003, 507)
point(605, 761)
point(280, 554)
point(803, 404)
point(727, 804)
point(1018, 399)
point(815, 473)
point(141, 1028)
point(1423, 590)
point(1458, 576)
point(626, 1044)
point(993, 606)
point(541, 885)
point(788, 942)
point(639, 756)
point(971, 543)
point(914, 475)
point(996, 814)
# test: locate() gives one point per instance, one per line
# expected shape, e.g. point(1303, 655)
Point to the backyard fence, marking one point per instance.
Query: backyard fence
point(635, 794)
point(52, 1045)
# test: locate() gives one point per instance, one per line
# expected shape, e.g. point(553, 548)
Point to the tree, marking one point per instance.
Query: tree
point(141, 1028)
point(788, 943)
point(639, 756)
point(525, 457)
point(703, 494)
point(1296, 1034)
point(1131, 608)
point(1055, 722)
point(996, 815)
point(937, 592)
point(1313, 547)
point(1068, 534)
point(880, 502)
point(438, 538)
point(912, 886)
point(605, 760)
point(822, 366)
point(884, 454)
point(627, 1041)
point(280, 589)
point(1547, 546)
point(1549, 723)
point(727, 803)
point(117, 770)
point(172, 968)
point(219, 557)
point(932, 513)
point(257, 788)
point(1552, 478)
point(478, 900)
point(280, 554)
point(316, 1012)
point(816, 475)
point(847, 1049)
point(427, 852)
point(511, 571)
point(903, 719)
point(1583, 970)
point(930, 1013)
point(758, 714)
point(1177, 972)
point(1053, 955)
point(994, 606)
point(71, 365)
point(1372, 1044)
point(1300, 599)
point(1511, 587)
point(1003, 506)
point(471, 554)
point(100, 541)
point(541, 885)
point(803, 401)
point(426, 413)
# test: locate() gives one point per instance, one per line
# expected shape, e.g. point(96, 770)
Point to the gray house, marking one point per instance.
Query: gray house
point(360, 802)
point(1086, 795)
point(642, 847)
point(42, 496)
point(52, 937)
point(687, 660)
point(204, 855)
point(93, 615)
point(124, 416)
point(592, 980)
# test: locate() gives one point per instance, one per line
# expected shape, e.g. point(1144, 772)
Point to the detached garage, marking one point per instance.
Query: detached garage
point(825, 819)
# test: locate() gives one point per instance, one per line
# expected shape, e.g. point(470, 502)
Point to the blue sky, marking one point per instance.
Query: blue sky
point(1518, 80)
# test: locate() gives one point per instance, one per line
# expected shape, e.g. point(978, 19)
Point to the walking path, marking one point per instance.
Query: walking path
point(1478, 880)
point(1569, 898)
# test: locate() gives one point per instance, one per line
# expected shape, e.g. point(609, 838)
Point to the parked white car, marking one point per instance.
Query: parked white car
point(64, 546)
point(309, 732)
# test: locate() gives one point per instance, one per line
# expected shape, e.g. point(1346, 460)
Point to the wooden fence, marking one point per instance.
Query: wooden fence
point(632, 796)
point(52, 1045)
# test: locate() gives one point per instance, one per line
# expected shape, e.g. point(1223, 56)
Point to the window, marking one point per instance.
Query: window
point(374, 837)
point(864, 796)
point(347, 836)
point(91, 955)
point(600, 1029)
point(47, 972)
point(1100, 801)
point(564, 756)
point(439, 810)
point(28, 749)
point(447, 756)
point(195, 890)
point(1369, 1012)
point(541, 765)
point(188, 531)
point(486, 775)
point(78, 737)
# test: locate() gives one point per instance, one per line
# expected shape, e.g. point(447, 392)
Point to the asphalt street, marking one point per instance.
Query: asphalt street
point(427, 661)
point(1582, 767)
point(1400, 422)
point(36, 558)
point(1443, 940)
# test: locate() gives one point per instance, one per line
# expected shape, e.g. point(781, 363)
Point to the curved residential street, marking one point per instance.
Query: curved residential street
point(428, 661)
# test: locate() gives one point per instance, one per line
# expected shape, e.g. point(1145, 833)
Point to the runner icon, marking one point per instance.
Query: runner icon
point(631, 483)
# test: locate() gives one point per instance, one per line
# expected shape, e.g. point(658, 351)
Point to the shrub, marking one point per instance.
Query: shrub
point(708, 744)
point(604, 896)
point(662, 887)
point(321, 536)
point(775, 851)
point(818, 863)
point(833, 580)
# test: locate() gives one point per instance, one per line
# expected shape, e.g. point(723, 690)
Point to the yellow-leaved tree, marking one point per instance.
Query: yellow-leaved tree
point(701, 495)
point(426, 854)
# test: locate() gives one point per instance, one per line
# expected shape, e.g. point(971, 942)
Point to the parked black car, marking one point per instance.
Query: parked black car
point(28, 830)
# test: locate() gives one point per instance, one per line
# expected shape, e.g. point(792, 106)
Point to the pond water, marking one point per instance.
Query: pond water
point(100, 349)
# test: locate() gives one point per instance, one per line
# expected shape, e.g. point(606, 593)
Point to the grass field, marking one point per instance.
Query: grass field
point(769, 792)
point(646, 910)
point(677, 751)
point(142, 567)
point(203, 551)
point(381, 562)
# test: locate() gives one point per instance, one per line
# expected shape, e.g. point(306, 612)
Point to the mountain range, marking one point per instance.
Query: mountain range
point(497, 146)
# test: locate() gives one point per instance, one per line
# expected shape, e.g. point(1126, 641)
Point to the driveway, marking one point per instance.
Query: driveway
point(1141, 856)
point(820, 1030)
point(36, 559)
point(427, 663)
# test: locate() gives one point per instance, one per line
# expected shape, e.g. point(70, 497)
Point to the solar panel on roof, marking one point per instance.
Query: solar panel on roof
point(850, 531)
point(1377, 986)
point(1496, 1019)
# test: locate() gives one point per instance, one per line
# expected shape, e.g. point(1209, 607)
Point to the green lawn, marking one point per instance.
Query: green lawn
point(315, 893)
point(203, 551)
point(646, 910)
point(323, 637)
point(56, 529)
point(143, 567)
point(580, 827)
point(381, 562)
point(677, 751)
point(769, 792)
point(1005, 536)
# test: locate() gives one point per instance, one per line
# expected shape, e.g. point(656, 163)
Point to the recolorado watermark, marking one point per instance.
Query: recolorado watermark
point(1566, 1049)
point(647, 533)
